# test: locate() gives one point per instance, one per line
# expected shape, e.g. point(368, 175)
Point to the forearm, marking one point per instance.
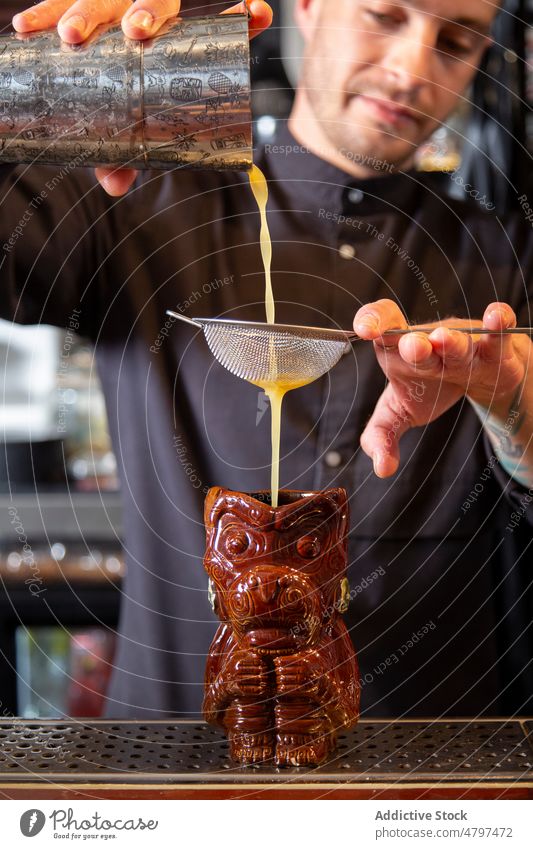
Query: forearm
point(509, 426)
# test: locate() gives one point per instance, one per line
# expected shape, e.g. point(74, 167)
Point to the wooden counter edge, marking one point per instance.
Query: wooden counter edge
point(364, 790)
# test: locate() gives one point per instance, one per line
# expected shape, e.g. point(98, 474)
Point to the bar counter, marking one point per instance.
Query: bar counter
point(167, 759)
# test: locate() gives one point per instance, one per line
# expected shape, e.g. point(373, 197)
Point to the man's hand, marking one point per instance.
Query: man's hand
point(429, 373)
point(76, 21)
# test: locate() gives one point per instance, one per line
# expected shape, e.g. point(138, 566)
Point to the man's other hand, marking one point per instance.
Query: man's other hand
point(429, 372)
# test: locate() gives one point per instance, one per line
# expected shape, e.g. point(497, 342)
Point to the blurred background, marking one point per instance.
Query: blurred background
point(60, 521)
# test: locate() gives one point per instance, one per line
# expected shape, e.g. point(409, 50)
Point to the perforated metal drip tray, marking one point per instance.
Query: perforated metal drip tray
point(193, 753)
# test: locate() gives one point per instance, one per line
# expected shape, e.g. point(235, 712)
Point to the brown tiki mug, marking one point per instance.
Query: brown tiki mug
point(282, 676)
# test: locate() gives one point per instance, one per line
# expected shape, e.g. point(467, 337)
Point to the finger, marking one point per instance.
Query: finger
point(115, 181)
point(81, 18)
point(374, 319)
point(417, 352)
point(497, 348)
point(456, 350)
point(41, 16)
point(261, 15)
point(381, 438)
point(145, 17)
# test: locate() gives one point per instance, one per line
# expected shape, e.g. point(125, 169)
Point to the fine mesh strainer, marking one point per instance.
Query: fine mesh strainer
point(287, 353)
point(267, 353)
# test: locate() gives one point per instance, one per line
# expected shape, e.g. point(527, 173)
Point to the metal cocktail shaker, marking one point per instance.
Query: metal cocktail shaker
point(179, 99)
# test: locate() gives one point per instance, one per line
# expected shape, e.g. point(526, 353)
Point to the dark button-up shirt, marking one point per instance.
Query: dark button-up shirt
point(439, 558)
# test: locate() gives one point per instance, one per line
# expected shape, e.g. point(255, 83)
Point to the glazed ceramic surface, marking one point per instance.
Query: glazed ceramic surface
point(282, 676)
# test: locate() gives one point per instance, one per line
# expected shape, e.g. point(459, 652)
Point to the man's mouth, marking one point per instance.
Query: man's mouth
point(388, 111)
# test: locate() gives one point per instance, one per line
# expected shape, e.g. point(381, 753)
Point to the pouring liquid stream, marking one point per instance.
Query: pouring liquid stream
point(275, 387)
point(259, 188)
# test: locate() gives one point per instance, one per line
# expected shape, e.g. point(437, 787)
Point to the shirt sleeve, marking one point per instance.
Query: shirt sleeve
point(519, 497)
point(54, 235)
point(520, 234)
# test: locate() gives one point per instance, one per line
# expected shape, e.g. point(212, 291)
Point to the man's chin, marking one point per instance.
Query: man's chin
point(377, 156)
point(373, 140)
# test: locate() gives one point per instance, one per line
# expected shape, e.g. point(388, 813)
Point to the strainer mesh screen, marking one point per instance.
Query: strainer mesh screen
point(264, 355)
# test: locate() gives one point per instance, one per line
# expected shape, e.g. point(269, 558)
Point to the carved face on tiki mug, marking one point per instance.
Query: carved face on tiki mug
point(281, 676)
point(278, 574)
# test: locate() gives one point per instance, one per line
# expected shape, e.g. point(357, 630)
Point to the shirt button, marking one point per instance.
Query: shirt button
point(347, 251)
point(355, 195)
point(333, 459)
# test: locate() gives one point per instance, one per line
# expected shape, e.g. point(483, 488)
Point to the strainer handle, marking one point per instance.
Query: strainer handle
point(185, 319)
point(472, 331)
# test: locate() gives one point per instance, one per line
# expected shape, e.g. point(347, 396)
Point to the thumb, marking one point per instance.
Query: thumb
point(260, 14)
point(381, 437)
point(115, 181)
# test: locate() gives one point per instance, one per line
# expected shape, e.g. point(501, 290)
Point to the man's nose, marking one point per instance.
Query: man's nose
point(410, 59)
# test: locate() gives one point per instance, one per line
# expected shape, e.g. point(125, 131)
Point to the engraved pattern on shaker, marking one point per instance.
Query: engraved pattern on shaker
point(81, 104)
point(186, 89)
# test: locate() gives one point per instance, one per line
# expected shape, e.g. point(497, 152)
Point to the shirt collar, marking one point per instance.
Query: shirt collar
point(310, 180)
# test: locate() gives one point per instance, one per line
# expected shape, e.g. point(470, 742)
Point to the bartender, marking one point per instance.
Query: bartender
point(441, 600)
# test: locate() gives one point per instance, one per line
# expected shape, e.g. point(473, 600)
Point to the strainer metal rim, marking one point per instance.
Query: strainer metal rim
point(349, 335)
point(326, 333)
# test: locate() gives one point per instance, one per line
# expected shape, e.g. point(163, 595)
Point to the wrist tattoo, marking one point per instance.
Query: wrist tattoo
point(509, 451)
point(506, 433)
